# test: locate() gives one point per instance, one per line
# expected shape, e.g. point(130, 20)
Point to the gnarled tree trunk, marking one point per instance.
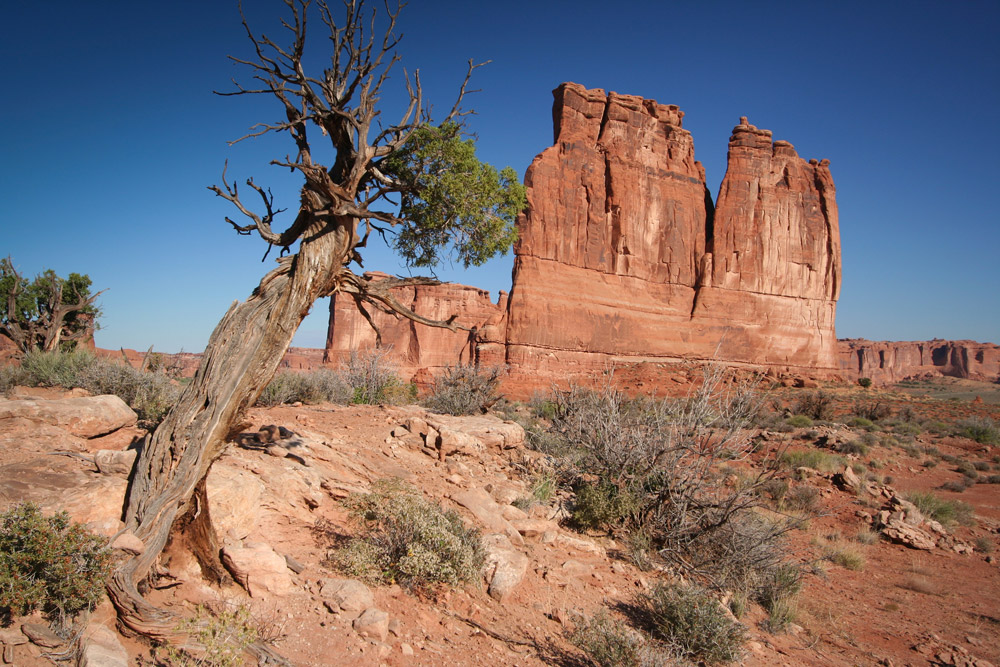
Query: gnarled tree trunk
point(242, 356)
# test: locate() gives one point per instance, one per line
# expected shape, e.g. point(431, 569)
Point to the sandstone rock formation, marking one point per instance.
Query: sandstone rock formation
point(886, 362)
point(623, 257)
point(416, 346)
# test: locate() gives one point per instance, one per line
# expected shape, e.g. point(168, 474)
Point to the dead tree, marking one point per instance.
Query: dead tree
point(373, 170)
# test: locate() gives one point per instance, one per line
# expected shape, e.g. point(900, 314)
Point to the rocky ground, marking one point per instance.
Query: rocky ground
point(923, 593)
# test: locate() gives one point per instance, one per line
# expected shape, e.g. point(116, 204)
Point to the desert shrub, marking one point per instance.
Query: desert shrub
point(543, 487)
point(10, 377)
point(907, 429)
point(407, 539)
point(802, 498)
point(602, 504)
point(223, 636)
point(465, 390)
point(817, 405)
point(693, 623)
point(799, 421)
point(984, 544)
point(859, 422)
point(981, 429)
point(853, 447)
point(309, 387)
point(981, 466)
point(967, 469)
point(958, 485)
point(816, 459)
point(150, 394)
point(866, 536)
point(946, 512)
point(846, 556)
point(872, 409)
point(993, 479)
point(776, 592)
point(372, 378)
point(864, 382)
point(49, 563)
point(611, 643)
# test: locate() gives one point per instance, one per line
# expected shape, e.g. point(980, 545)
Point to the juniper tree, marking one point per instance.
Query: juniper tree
point(416, 183)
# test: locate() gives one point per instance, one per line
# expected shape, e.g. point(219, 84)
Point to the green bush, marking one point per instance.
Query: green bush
point(601, 505)
point(853, 447)
point(865, 382)
point(611, 643)
point(372, 379)
point(981, 429)
point(816, 459)
point(465, 390)
point(49, 563)
point(693, 623)
point(799, 421)
point(406, 539)
point(946, 512)
point(776, 591)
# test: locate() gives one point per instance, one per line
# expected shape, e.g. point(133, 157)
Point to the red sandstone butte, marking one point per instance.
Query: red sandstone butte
point(622, 256)
point(417, 347)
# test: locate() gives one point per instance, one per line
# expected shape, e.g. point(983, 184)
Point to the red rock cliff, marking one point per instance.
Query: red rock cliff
point(622, 256)
point(886, 362)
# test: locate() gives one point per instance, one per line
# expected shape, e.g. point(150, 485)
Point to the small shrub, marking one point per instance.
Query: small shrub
point(859, 422)
point(407, 539)
point(799, 421)
point(802, 498)
point(946, 512)
point(866, 536)
point(981, 466)
point(372, 378)
point(817, 405)
point(981, 429)
point(309, 387)
point(865, 382)
point(846, 556)
point(223, 636)
point(984, 544)
point(812, 458)
point(853, 447)
point(776, 593)
point(873, 410)
point(993, 479)
point(49, 563)
point(693, 623)
point(465, 390)
point(602, 505)
point(611, 643)
point(958, 485)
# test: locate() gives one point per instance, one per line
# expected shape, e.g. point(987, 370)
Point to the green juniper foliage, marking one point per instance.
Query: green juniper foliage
point(49, 563)
point(448, 195)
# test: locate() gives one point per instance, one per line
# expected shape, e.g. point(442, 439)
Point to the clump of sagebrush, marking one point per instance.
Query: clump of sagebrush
point(816, 405)
point(311, 387)
point(222, 636)
point(406, 539)
point(150, 394)
point(612, 643)
point(650, 466)
point(465, 389)
point(49, 563)
point(981, 429)
point(693, 623)
point(943, 511)
point(871, 409)
point(373, 378)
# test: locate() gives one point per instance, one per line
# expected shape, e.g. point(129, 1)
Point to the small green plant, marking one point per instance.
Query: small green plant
point(309, 387)
point(853, 447)
point(372, 379)
point(602, 505)
point(984, 544)
point(611, 643)
point(406, 539)
point(693, 623)
point(846, 556)
point(946, 512)
point(799, 421)
point(859, 422)
point(223, 636)
point(816, 459)
point(49, 563)
point(465, 390)
point(864, 382)
point(776, 593)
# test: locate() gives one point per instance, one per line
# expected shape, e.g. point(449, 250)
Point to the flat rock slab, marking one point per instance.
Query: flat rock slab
point(86, 417)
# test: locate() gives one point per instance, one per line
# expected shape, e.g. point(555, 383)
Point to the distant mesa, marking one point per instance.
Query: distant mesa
point(623, 257)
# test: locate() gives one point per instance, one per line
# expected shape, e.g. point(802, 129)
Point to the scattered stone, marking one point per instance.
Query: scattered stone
point(127, 541)
point(100, 647)
point(111, 462)
point(372, 623)
point(347, 595)
point(294, 565)
point(258, 568)
point(406, 649)
point(505, 566)
point(86, 417)
point(486, 510)
point(533, 527)
point(40, 635)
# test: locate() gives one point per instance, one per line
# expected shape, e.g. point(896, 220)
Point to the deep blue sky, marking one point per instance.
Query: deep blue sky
point(111, 133)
